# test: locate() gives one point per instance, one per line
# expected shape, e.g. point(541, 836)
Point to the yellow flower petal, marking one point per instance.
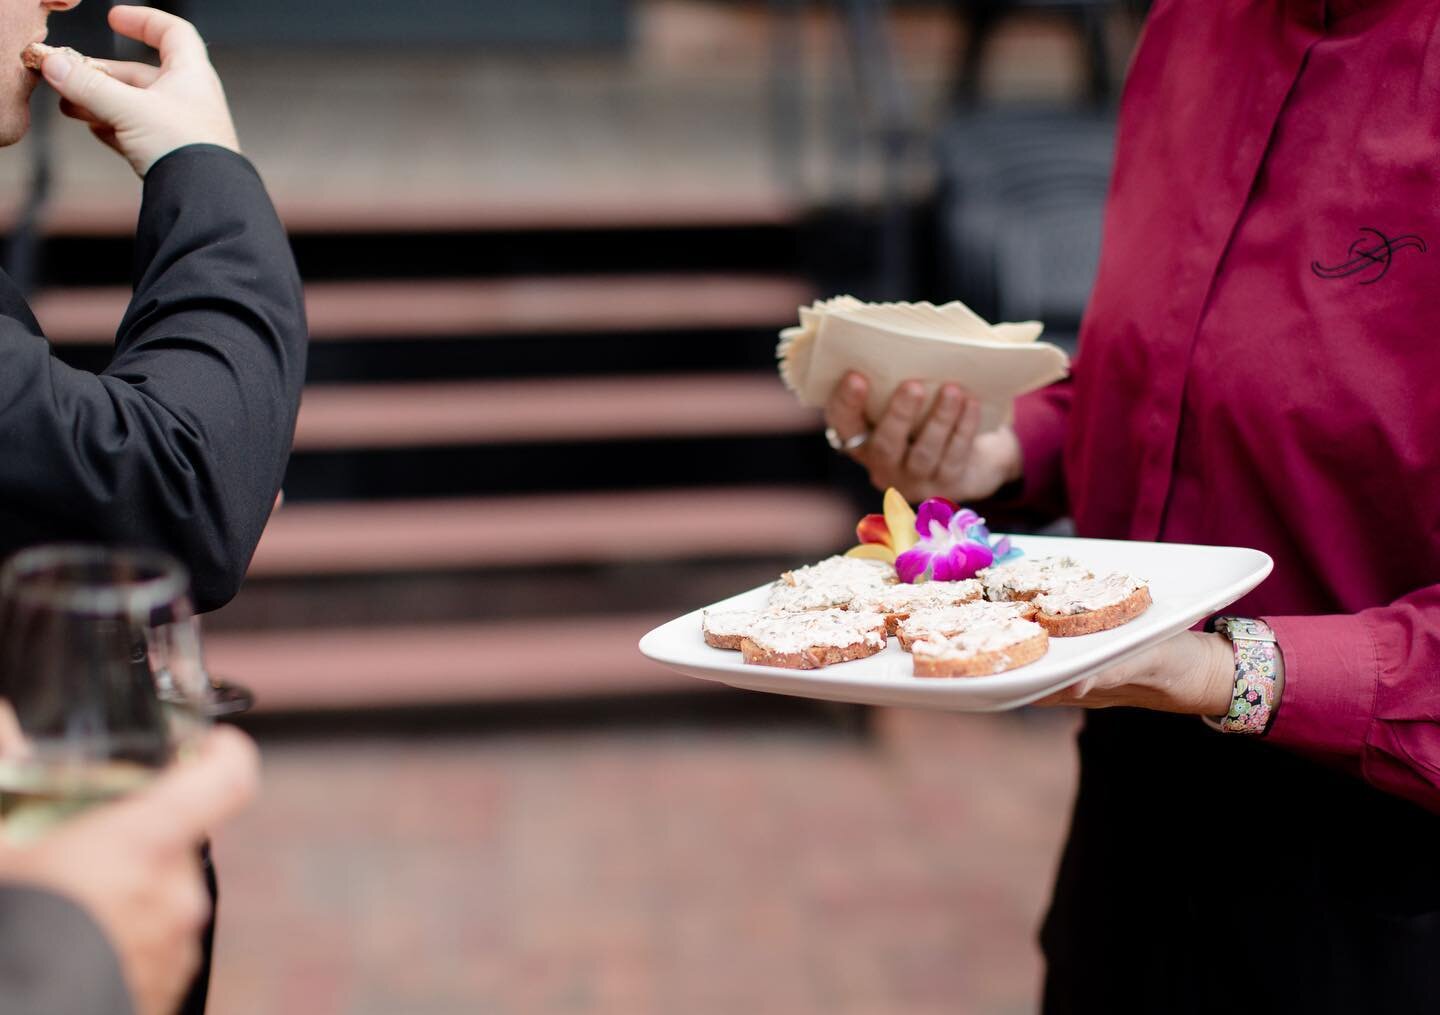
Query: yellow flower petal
point(900, 519)
point(872, 551)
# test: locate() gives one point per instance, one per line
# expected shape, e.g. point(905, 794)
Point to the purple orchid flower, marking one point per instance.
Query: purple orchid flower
point(954, 544)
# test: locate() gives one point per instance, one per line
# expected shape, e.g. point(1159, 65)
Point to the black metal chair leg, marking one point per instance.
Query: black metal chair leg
point(981, 21)
point(1097, 54)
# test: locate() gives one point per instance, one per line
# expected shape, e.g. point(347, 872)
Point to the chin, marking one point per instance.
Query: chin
point(13, 126)
point(15, 106)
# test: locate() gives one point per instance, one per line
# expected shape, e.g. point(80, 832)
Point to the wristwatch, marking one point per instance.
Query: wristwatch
point(1257, 675)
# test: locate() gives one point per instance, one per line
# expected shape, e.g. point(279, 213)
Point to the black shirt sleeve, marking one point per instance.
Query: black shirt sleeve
point(181, 443)
point(54, 959)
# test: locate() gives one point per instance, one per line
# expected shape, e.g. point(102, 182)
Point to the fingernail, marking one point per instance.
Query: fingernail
point(855, 383)
point(914, 392)
point(951, 395)
point(57, 68)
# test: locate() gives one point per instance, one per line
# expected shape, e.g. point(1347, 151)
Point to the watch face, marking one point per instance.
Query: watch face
point(1244, 627)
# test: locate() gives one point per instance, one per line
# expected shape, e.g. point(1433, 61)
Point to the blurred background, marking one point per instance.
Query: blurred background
point(548, 246)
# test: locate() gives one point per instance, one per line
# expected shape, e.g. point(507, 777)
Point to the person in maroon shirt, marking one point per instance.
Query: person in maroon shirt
point(1258, 367)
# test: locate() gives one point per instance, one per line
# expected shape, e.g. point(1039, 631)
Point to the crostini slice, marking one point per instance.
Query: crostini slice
point(1028, 577)
point(725, 629)
point(1092, 605)
point(833, 583)
point(982, 650)
point(900, 601)
point(947, 622)
point(812, 639)
point(33, 57)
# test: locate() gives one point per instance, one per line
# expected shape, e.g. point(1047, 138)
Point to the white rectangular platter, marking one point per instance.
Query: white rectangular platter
point(1187, 584)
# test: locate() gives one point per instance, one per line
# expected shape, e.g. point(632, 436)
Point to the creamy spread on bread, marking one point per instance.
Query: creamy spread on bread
point(925, 596)
point(1089, 595)
point(832, 583)
point(1042, 574)
point(842, 570)
point(797, 632)
point(790, 599)
point(732, 623)
point(946, 622)
point(991, 635)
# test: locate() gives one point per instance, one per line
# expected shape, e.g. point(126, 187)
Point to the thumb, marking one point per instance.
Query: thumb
point(88, 84)
point(193, 797)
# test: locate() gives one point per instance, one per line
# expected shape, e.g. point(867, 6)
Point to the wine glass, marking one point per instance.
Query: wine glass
point(102, 682)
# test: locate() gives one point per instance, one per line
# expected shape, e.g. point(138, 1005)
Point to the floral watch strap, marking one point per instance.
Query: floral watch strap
point(1255, 669)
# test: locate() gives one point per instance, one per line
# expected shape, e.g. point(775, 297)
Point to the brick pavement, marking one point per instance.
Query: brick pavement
point(730, 854)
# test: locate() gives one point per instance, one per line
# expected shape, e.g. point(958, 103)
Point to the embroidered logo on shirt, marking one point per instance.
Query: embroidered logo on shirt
point(1370, 255)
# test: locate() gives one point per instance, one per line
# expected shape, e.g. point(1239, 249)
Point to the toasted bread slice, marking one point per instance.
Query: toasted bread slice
point(1092, 606)
point(900, 601)
point(808, 641)
point(844, 570)
point(1027, 578)
point(833, 583)
point(948, 622)
point(725, 629)
point(814, 657)
point(981, 652)
point(33, 56)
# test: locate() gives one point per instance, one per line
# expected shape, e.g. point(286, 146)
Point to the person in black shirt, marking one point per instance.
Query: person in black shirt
point(179, 444)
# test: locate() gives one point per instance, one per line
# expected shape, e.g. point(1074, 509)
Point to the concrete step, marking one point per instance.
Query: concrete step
point(357, 416)
point(455, 211)
point(460, 596)
point(356, 311)
point(588, 528)
point(418, 665)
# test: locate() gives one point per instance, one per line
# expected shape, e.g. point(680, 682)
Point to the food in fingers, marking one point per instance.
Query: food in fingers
point(34, 55)
point(1092, 605)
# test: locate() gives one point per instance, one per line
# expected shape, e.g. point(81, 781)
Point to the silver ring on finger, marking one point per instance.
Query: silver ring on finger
point(846, 444)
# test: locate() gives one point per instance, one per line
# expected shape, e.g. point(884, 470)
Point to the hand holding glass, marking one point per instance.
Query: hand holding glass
point(101, 679)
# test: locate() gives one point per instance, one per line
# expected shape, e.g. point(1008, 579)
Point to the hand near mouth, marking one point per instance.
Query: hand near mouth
point(141, 111)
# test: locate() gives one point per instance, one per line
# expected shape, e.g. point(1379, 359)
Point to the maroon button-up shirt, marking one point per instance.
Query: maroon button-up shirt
point(1261, 355)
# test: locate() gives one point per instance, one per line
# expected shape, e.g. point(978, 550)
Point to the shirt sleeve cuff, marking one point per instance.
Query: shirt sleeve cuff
point(198, 179)
point(1040, 427)
point(191, 155)
point(1331, 678)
